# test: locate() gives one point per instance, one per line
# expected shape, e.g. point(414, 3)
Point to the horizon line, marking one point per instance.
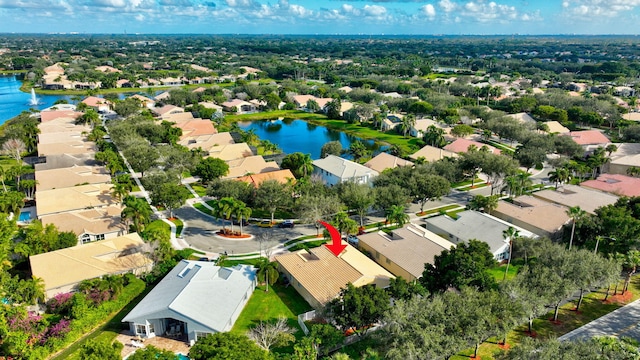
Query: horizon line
point(310, 34)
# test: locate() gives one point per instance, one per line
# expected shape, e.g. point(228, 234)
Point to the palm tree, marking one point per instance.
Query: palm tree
point(560, 176)
point(138, 211)
point(120, 191)
point(407, 123)
point(396, 215)
point(509, 234)
point(575, 213)
point(242, 211)
point(610, 149)
point(524, 182)
point(511, 185)
point(344, 223)
point(434, 136)
point(267, 272)
point(226, 207)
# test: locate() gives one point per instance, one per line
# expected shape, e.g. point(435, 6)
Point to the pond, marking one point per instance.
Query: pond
point(300, 136)
point(13, 101)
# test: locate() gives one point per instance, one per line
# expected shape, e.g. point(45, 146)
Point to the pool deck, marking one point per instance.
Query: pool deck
point(158, 341)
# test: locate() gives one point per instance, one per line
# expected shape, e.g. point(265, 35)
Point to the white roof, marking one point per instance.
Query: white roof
point(343, 168)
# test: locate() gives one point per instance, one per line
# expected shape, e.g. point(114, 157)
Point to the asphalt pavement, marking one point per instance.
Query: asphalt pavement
point(623, 322)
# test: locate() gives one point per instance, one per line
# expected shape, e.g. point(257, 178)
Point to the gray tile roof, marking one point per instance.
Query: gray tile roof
point(197, 290)
point(343, 168)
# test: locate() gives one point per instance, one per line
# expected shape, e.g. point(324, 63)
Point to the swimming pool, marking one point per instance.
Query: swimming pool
point(25, 216)
point(182, 357)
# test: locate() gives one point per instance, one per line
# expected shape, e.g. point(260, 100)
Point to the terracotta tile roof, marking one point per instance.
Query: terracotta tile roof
point(589, 137)
point(95, 101)
point(71, 265)
point(462, 146)
point(620, 185)
point(195, 127)
point(72, 176)
point(282, 176)
point(93, 221)
point(385, 161)
point(250, 165)
point(46, 116)
point(323, 274)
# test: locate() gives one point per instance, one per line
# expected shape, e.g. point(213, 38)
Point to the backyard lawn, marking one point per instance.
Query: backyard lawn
point(279, 301)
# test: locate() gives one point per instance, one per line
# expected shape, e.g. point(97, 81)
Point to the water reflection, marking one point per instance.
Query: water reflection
point(298, 135)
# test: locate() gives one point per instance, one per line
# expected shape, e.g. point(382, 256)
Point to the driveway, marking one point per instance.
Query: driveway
point(199, 233)
point(624, 321)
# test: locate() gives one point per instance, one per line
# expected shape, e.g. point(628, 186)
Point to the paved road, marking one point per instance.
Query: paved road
point(625, 321)
point(200, 229)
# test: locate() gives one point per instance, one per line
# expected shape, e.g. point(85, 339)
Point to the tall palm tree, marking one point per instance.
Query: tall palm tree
point(120, 191)
point(396, 215)
point(242, 211)
point(344, 223)
point(524, 182)
point(267, 272)
point(407, 123)
point(434, 136)
point(575, 213)
point(511, 185)
point(560, 176)
point(509, 234)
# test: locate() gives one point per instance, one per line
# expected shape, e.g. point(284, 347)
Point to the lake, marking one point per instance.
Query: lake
point(300, 136)
point(13, 101)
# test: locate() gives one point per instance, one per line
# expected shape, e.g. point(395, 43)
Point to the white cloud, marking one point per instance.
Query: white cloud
point(447, 5)
point(374, 10)
point(601, 8)
point(140, 17)
point(429, 11)
point(241, 3)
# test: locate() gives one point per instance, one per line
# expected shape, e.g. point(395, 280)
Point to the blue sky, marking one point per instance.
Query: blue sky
point(323, 16)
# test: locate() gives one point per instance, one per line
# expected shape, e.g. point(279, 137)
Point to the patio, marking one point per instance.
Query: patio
point(160, 342)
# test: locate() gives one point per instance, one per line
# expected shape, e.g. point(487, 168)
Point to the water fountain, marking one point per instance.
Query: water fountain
point(34, 100)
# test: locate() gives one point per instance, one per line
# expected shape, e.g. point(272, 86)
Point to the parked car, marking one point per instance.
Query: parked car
point(265, 224)
point(352, 240)
point(286, 224)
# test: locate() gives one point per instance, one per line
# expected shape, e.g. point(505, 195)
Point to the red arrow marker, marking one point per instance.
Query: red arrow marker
point(336, 245)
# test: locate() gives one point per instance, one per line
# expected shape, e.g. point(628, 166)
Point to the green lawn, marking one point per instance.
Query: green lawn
point(299, 239)
point(279, 301)
point(273, 115)
point(199, 189)
point(202, 208)
point(308, 245)
point(439, 209)
point(179, 226)
point(467, 182)
point(279, 214)
point(498, 271)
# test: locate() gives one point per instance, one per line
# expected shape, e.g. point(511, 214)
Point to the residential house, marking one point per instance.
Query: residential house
point(536, 215)
point(210, 105)
point(171, 81)
point(194, 128)
point(404, 251)
point(420, 127)
point(66, 160)
point(73, 198)
point(391, 121)
point(384, 161)
point(626, 157)
point(205, 142)
point(249, 165)
point(431, 153)
point(573, 195)
point(462, 146)
point(475, 225)
point(344, 107)
point(631, 116)
point(71, 176)
point(522, 118)
point(318, 275)
point(62, 270)
point(98, 104)
point(230, 151)
point(556, 128)
point(144, 101)
point(620, 185)
point(46, 116)
point(162, 96)
point(302, 100)
point(70, 147)
point(282, 176)
point(62, 125)
point(194, 299)
point(239, 106)
point(589, 137)
point(346, 89)
point(334, 169)
point(90, 225)
point(107, 69)
point(166, 111)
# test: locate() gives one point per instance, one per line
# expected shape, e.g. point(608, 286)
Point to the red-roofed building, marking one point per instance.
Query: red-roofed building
point(46, 116)
point(620, 185)
point(281, 176)
point(462, 146)
point(97, 103)
point(195, 127)
point(589, 137)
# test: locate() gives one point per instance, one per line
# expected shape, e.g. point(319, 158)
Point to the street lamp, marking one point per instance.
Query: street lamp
point(598, 241)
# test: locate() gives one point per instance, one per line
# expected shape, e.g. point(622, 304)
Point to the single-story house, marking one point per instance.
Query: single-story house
point(462, 146)
point(522, 118)
point(318, 275)
point(254, 164)
point(556, 128)
point(334, 169)
point(71, 147)
point(631, 116)
point(573, 195)
point(163, 95)
point(194, 299)
point(99, 104)
point(71, 176)
point(589, 137)
point(144, 101)
point(420, 127)
point(239, 106)
point(46, 116)
point(107, 69)
point(66, 160)
point(626, 156)
point(90, 225)
point(165, 111)
point(230, 151)
point(384, 161)
point(205, 142)
point(536, 215)
point(62, 270)
point(195, 127)
point(620, 185)
point(391, 121)
point(62, 125)
point(432, 153)
point(472, 224)
point(81, 197)
point(282, 176)
point(404, 251)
